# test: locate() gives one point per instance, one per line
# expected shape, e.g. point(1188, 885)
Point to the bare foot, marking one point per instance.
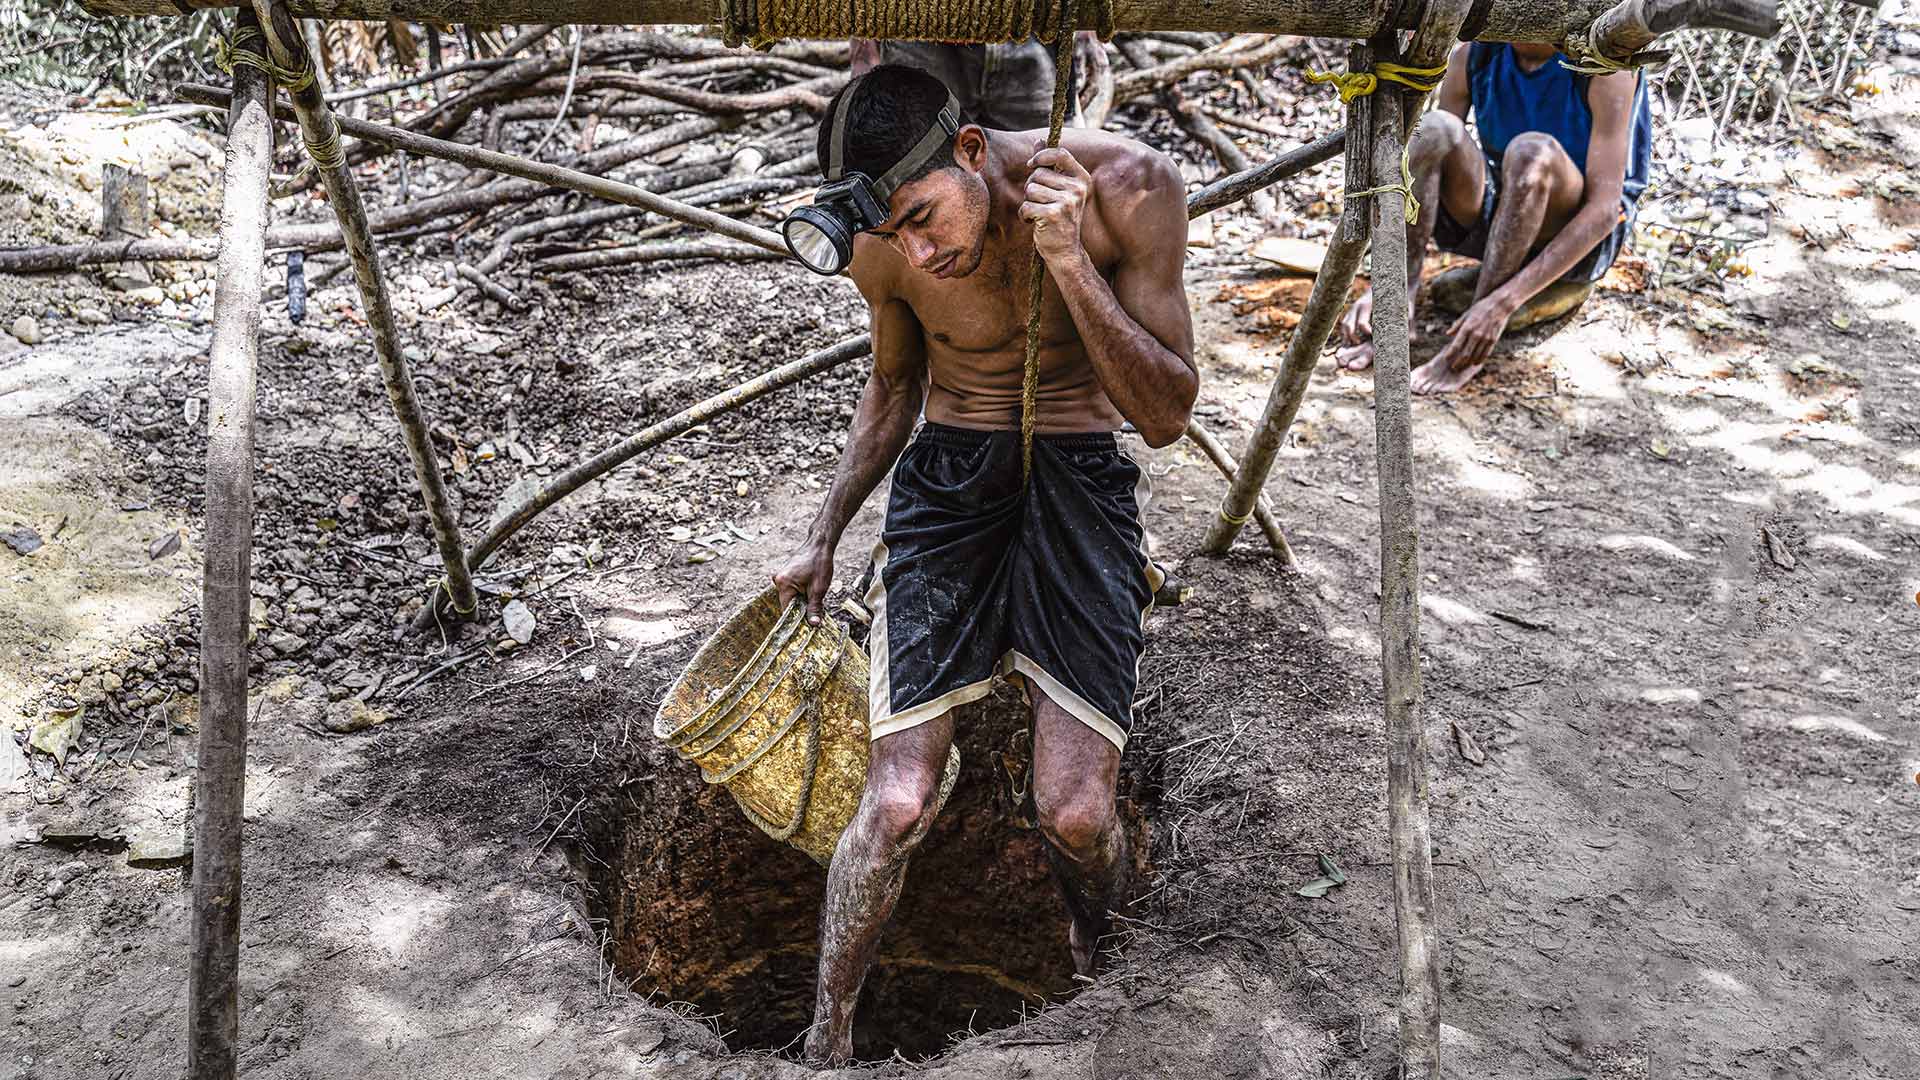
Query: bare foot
point(1355, 357)
point(1436, 377)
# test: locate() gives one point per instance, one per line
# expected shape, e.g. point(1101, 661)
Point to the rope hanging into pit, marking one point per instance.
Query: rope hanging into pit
point(1355, 84)
point(761, 22)
point(1037, 267)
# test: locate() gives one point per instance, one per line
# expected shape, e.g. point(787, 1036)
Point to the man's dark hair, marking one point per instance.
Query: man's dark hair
point(892, 107)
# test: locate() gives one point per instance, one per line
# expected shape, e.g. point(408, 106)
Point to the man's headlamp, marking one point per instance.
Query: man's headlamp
point(821, 235)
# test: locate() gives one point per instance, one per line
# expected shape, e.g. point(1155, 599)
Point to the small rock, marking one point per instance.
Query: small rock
point(27, 329)
point(164, 545)
point(149, 295)
point(286, 644)
point(16, 981)
point(589, 673)
point(92, 316)
point(159, 851)
point(350, 715)
point(72, 871)
point(56, 889)
point(22, 539)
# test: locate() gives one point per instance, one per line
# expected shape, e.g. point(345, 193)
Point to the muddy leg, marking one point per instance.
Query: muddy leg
point(1448, 170)
point(1540, 189)
point(1074, 771)
point(903, 778)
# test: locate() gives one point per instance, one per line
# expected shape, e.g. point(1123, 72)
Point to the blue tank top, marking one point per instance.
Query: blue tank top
point(1509, 100)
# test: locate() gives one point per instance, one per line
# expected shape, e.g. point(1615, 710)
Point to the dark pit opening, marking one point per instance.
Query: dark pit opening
point(703, 908)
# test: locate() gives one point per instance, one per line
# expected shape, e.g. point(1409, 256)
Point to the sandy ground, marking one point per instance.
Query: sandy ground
point(1688, 853)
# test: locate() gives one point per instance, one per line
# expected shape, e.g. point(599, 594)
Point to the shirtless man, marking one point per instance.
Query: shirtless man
point(1547, 194)
point(974, 575)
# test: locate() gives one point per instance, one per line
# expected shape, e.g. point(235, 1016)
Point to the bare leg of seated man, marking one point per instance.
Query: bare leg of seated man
point(1074, 772)
point(1540, 188)
point(863, 883)
point(1448, 169)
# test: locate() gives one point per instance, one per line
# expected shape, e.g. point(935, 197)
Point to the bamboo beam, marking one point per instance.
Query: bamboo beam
point(322, 135)
point(213, 971)
point(1217, 453)
point(551, 175)
point(1544, 21)
point(1324, 304)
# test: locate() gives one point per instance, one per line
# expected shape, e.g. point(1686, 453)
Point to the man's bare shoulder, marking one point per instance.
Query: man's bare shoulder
point(1124, 170)
point(876, 268)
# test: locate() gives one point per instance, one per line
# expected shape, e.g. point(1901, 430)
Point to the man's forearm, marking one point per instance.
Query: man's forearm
point(1151, 385)
point(881, 425)
point(1590, 224)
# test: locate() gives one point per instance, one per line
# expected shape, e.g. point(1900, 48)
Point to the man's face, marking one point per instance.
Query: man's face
point(939, 222)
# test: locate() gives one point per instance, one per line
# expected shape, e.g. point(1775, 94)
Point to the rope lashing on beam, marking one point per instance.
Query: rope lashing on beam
point(1404, 187)
point(1589, 59)
point(759, 23)
point(1354, 84)
point(249, 50)
point(1235, 521)
point(229, 53)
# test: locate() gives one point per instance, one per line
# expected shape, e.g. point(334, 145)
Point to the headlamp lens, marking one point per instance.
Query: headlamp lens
point(818, 238)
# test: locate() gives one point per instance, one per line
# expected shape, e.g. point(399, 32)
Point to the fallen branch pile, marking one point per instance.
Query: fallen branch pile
point(622, 115)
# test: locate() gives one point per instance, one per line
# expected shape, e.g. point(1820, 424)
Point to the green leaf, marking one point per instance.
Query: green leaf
point(1332, 869)
point(1317, 888)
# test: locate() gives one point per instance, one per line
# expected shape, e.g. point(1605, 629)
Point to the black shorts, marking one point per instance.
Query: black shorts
point(974, 578)
point(1460, 239)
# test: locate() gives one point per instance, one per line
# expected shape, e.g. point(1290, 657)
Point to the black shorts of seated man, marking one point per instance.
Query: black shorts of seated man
point(978, 574)
point(1546, 194)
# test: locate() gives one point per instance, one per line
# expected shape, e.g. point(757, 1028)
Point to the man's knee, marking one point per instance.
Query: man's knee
point(1077, 819)
point(1530, 161)
point(1438, 132)
point(898, 810)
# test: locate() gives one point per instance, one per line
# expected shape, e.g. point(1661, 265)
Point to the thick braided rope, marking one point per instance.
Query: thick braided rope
point(1590, 59)
point(229, 53)
point(1037, 268)
point(761, 22)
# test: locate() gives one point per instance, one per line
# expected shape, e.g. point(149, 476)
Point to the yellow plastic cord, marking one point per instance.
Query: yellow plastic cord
point(1235, 521)
point(1355, 84)
point(228, 55)
point(1404, 187)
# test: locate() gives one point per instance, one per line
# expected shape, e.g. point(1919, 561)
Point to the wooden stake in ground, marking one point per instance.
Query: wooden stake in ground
point(213, 1015)
point(1400, 611)
point(1324, 304)
point(322, 136)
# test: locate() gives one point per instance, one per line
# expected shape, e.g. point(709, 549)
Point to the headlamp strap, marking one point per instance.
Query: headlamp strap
point(946, 126)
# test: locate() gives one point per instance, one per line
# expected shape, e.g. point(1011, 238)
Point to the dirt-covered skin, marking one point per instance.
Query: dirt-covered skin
point(1689, 853)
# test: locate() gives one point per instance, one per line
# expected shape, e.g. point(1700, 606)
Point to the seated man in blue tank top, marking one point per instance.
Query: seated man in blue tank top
point(1546, 195)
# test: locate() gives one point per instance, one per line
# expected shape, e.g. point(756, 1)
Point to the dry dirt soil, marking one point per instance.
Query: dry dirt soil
point(1670, 554)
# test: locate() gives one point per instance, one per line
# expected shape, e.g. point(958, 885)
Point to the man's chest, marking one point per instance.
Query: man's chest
point(986, 312)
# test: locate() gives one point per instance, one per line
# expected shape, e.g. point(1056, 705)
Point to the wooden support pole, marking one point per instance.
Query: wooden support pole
point(213, 970)
point(553, 175)
point(322, 136)
point(1217, 453)
point(1231, 189)
point(1400, 614)
point(1324, 304)
point(517, 516)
